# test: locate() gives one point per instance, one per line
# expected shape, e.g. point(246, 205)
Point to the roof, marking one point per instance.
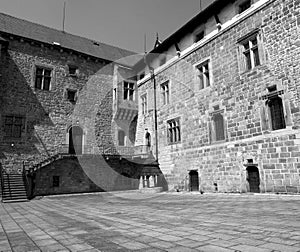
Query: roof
point(201, 17)
point(26, 29)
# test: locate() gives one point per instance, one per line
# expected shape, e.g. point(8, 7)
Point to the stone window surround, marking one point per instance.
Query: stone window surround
point(128, 89)
point(266, 123)
point(242, 64)
point(211, 131)
point(46, 66)
point(196, 68)
point(144, 103)
point(165, 95)
point(177, 129)
point(73, 67)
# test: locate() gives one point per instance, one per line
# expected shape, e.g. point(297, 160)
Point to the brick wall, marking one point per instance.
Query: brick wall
point(239, 93)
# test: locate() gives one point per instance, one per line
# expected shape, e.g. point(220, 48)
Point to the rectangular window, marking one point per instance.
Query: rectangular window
point(42, 78)
point(142, 75)
point(13, 126)
point(128, 91)
point(244, 6)
point(174, 135)
point(71, 95)
point(144, 103)
point(250, 52)
point(165, 93)
point(121, 138)
point(204, 75)
point(55, 181)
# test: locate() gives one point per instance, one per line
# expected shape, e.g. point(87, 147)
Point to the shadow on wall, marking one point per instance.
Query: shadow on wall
point(18, 99)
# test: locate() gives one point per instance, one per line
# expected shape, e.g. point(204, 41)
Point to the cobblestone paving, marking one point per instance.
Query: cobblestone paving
point(162, 222)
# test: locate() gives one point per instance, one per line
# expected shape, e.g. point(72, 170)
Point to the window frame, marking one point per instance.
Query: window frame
point(204, 74)
point(123, 139)
point(165, 93)
point(70, 66)
point(13, 126)
point(144, 104)
point(255, 51)
point(42, 76)
point(174, 131)
point(128, 90)
point(75, 95)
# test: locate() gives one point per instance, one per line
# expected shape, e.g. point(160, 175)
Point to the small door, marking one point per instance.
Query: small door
point(194, 181)
point(75, 140)
point(253, 179)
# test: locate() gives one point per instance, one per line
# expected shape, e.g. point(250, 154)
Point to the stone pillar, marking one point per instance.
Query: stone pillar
point(147, 181)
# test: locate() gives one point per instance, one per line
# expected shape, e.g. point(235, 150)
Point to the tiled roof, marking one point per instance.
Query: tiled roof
point(37, 32)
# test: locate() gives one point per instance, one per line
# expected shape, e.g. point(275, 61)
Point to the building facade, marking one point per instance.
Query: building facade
point(227, 89)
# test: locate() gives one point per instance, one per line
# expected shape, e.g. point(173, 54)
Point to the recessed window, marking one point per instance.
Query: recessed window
point(72, 70)
point(13, 126)
point(55, 181)
point(174, 134)
point(142, 75)
point(71, 94)
point(251, 55)
point(218, 121)
point(276, 113)
point(144, 103)
point(121, 138)
point(198, 36)
point(204, 75)
point(165, 93)
point(128, 91)
point(42, 78)
point(244, 6)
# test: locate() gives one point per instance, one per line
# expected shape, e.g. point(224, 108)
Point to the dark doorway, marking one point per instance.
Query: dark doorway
point(253, 179)
point(75, 140)
point(194, 181)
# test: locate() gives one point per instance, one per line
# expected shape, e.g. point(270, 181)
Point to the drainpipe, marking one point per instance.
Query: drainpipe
point(155, 113)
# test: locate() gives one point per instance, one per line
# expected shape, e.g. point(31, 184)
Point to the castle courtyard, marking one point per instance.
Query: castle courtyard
point(133, 221)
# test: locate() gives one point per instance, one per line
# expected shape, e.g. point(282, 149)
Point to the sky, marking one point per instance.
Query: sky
point(121, 23)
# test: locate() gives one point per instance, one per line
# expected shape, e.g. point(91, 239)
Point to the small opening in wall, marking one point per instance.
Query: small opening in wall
point(55, 181)
point(216, 187)
point(250, 161)
point(272, 88)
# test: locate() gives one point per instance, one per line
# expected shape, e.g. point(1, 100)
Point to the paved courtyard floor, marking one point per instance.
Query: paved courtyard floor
point(157, 222)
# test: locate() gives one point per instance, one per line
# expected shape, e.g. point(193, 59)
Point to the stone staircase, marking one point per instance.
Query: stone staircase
point(13, 188)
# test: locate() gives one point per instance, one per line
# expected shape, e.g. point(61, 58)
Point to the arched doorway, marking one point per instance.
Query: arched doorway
point(194, 180)
point(75, 140)
point(253, 178)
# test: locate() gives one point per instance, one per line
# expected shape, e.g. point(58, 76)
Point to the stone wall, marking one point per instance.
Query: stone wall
point(48, 115)
point(239, 94)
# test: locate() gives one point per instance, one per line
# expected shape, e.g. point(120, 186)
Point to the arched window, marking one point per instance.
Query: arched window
point(121, 138)
point(219, 126)
point(276, 113)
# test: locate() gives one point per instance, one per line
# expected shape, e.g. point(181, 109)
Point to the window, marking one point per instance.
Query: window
point(144, 104)
point(251, 53)
point(204, 75)
point(42, 78)
point(244, 6)
point(218, 127)
point(72, 70)
point(276, 113)
point(128, 90)
point(71, 95)
point(13, 126)
point(165, 93)
point(55, 181)
point(142, 75)
point(121, 138)
point(174, 135)
point(199, 36)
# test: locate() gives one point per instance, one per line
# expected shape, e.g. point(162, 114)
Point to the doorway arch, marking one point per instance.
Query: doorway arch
point(75, 140)
point(253, 179)
point(194, 180)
